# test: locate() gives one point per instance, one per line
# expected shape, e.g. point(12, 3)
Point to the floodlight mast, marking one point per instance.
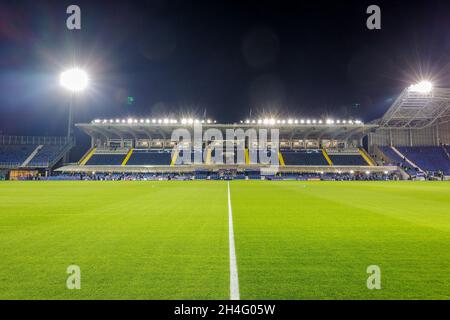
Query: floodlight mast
point(75, 80)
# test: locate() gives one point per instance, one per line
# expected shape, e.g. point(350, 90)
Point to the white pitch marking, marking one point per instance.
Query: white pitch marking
point(234, 281)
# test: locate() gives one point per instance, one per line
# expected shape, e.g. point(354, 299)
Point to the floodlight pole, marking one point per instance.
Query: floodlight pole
point(70, 126)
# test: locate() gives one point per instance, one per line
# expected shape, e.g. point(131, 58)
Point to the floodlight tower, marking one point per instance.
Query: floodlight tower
point(75, 80)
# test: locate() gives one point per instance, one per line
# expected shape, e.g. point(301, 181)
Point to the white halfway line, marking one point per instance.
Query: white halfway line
point(234, 282)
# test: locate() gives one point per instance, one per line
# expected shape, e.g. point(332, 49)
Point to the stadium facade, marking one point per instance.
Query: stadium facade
point(412, 138)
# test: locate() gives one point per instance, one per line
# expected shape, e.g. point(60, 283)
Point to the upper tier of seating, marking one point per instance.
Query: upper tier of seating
point(304, 158)
point(428, 158)
point(150, 157)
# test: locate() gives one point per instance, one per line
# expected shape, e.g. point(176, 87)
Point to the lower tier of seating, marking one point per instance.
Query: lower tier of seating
point(432, 159)
point(347, 160)
point(15, 154)
point(46, 154)
point(312, 157)
point(150, 157)
point(107, 159)
point(304, 158)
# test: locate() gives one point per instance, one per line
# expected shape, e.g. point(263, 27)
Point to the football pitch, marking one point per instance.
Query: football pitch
point(170, 239)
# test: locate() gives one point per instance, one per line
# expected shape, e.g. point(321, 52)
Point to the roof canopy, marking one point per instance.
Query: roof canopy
point(164, 131)
point(414, 109)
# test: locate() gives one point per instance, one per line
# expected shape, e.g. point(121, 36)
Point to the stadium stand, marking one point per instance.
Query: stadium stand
point(15, 155)
point(46, 155)
point(32, 152)
point(431, 159)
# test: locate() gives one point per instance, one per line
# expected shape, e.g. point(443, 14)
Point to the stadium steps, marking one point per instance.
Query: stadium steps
point(366, 157)
point(280, 159)
point(128, 156)
point(87, 156)
point(406, 159)
point(32, 155)
point(446, 152)
point(325, 155)
point(247, 157)
point(174, 157)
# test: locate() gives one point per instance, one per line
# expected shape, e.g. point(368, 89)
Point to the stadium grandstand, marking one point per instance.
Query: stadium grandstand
point(409, 142)
point(31, 155)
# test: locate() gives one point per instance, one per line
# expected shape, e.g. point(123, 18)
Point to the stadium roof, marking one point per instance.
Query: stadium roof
point(144, 130)
point(416, 109)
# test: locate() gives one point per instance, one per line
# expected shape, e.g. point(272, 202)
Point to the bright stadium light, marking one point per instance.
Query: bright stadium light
point(74, 79)
point(421, 87)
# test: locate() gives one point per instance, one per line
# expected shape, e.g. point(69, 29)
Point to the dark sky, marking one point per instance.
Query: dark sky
point(288, 58)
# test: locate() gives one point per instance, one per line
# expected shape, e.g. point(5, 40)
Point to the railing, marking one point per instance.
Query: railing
point(34, 140)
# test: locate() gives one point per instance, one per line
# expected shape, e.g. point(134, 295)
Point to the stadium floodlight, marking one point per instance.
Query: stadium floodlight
point(421, 87)
point(386, 172)
point(367, 172)
point(74, 79)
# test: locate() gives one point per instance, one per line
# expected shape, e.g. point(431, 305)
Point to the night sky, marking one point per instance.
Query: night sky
point(223, 58)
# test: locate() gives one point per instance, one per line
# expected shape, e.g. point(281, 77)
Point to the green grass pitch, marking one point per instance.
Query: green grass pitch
point(169, 239)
